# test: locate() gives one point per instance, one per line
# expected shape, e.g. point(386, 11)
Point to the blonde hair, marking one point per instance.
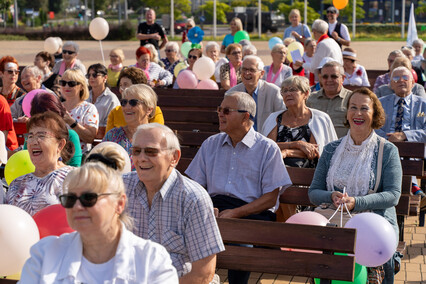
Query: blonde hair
point(144, 93)
point(288, 40)
point(119, 52)
point(78, 76)
point(238, 23)
point(111, 153)
point(153, 51)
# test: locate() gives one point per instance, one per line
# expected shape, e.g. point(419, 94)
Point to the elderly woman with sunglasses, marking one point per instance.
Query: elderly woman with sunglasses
point(102, 249)
point(49, 149)
point(9, 72)
point(138, 105)
point(81, 116)
point(172, 56)
point(69, 59)
point(230, 73)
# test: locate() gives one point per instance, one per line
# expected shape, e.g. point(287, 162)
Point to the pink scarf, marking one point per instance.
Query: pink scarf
point(115, 68)
point(144, 70)
point(232, 75)
point(268, 78)
point(62, 69)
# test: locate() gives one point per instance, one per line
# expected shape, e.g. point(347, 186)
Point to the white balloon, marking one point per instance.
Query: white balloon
point(18, 233)
point(204, 68)
point(99, 28)
point(51, 45)
point(128, 165)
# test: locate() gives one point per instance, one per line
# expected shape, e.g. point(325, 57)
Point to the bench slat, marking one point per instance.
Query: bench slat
point(411, 149)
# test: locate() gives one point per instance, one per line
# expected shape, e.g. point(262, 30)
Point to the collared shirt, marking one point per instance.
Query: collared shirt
point(335, 108)
point(181, 218)
point(106, 102)
point(247, 171)
point(406, 118)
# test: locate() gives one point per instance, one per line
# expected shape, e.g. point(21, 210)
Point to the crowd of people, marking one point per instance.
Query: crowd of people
point(321, 113)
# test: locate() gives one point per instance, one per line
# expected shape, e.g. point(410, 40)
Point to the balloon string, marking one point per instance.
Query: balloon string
point(102, 52)
point(341, 212)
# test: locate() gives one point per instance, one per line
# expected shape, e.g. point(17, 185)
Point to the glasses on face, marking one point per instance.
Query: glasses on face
point(289, 90)
point(145, 60)
point(71, 84)
point(39, 136)
point(403, 78)
point(227, 110)
point(195, 57)
point(149, 151)
point(333, 77)
point(170, 50)
point(331, 12)
point(281, 52)
point(87, 199)
point(132, 102)
point(235, 53)
point(11, 72)
point(249, 70)
point(68, 52)
point(93, 75)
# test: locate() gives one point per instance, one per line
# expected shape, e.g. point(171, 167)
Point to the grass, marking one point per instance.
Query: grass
point(12, 37)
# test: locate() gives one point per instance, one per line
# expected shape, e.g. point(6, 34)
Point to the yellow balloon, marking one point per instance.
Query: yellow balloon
point(18, 165)
point(179, 67)
point(294, 46)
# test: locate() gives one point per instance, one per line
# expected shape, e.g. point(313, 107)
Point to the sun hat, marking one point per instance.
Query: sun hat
point(349, 53)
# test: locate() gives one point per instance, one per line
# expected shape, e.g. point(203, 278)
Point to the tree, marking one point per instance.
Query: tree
point(221, 10)
point(421, 9)
point(348, 10)
point(285, 9)
point(163, 6)
point(33, 4)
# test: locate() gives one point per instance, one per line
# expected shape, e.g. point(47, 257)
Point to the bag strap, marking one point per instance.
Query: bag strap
point(382, 142)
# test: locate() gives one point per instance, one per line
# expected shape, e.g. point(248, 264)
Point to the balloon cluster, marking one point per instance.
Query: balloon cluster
point(199, 77)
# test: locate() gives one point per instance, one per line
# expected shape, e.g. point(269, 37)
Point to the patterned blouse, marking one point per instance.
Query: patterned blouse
point(32, 193)
point(168, 66)
point(225, 70)
point(86, 114)
point(118, 135)
point(381, 80)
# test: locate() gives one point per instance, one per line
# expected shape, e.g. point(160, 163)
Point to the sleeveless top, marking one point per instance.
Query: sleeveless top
point(337, 30)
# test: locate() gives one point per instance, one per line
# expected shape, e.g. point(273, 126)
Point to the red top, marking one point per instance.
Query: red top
point(6, 124)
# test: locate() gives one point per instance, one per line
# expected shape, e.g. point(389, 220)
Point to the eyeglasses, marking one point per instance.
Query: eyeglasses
point(281, 52)
point(87, 199)
point(249, 70)
point(235, 53)
point(93, 75)
point(11, 72)
point(403, 78)
point(170, 50)
point(331, 12)
point(149, 151)
point(71, 84)
point(289, 90)
point(193, 57)
point(132, 102)
point(333, 77)
point(68, 52)
point(227, 110)
point(39, 136)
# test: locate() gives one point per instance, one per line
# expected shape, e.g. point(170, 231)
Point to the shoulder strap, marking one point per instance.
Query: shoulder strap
point(382, 142)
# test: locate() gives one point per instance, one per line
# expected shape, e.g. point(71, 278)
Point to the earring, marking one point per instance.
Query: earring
point(60, 159)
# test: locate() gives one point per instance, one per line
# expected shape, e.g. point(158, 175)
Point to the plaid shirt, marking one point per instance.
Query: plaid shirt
point(181, 218)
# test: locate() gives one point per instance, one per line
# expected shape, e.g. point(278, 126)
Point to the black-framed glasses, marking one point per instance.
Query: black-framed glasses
point(249, 70)
point(71, 84)
point(132, 102)
point(87, 199)
point(94, 75)
point(403, 77)
point(193, 57)
point(11, 72)
point(68, 51)
point(149, 151)
point(227, 110)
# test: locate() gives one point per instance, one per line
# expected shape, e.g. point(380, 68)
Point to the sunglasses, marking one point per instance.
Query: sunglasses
point(403, 77)
point(192, 57)
point(71, 84)
point(333, 77)
point(68, 52)
point(330, 12)
point(227, 110)
point(149, 151)
point(87, 199)
point(93, 75)
point(132, 102)
point(11, 72)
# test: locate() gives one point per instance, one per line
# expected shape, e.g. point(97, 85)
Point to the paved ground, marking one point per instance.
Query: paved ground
point(372, 55)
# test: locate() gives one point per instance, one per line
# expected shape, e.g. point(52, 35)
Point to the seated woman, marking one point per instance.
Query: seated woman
point(116, 56)
point(138, 105)
point(193, 56)
point(9, 73)
point(156, 75)
point(49, 149)
point(278, 71)
point(103, 249)
point(70, 51)
point(45, 62)
point(130, 76)
point(355, 74)
point(352, 162)
point(154, 54)
point(81, 116)
point(172, 56)
point(310, 47)
point(212, 51)
point(230, 73)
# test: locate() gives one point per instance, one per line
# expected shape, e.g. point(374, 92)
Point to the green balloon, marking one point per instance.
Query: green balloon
point(360, 275)
point(240, 35)
point(185, 48)
point(196, 45)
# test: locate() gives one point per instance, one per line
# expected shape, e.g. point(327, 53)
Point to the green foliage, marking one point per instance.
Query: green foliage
point(347, 11)
point(42, 16)
point(221, 10)
point(5, 4)
point(285, 9)
point(163, 6)
point(421, 9)
point(32, 4)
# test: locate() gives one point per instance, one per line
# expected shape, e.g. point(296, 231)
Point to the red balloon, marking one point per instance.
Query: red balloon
point(52, 221)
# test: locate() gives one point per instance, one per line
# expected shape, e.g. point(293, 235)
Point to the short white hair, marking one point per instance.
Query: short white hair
point(244, 102)
point(174, 45)
point(320, 26)
point(172, 142)
point(212, 44)
point(251, 48)
point(402, 68)
point(73, 44)
point(259, 62)
point(409, 49)
point(418, 41)
point(33, 70)
point(154, 52)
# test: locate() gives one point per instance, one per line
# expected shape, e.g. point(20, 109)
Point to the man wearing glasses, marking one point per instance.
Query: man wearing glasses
point(169, 208)
point(242, 170)
point(339, 32)
point(266, 95)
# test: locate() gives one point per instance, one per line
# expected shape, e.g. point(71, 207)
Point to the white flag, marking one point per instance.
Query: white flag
point(412, 30)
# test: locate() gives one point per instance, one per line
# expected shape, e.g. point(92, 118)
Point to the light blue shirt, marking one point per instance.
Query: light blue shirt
point(305, 33)
point(406, 118)
point(247, 171)
point(228, 40)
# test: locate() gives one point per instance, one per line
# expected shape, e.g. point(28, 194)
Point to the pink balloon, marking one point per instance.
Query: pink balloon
point(187, 80)
point(208, 84)
point(26, 102)
point(376, 239)
point(308, 218)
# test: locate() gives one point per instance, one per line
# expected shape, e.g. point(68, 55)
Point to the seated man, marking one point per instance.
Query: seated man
point(266, 95)
point(242, 170)
point(169, 208)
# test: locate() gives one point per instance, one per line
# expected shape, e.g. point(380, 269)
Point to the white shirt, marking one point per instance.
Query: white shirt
point(343, 30)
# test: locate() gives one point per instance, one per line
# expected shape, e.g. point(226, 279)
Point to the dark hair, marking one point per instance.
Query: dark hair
point(45, 101)
point(98, 68)
point(7, 59)
point(46, 56)
point(141, 51)
point(57, 125)
point(136, 75)
point(198, 51)
point(97, 157)
point(379, 116)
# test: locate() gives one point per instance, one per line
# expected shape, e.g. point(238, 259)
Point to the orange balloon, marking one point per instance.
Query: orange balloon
point(340, 4)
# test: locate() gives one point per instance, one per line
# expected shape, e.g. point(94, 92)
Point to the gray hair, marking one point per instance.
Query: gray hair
point(334, 64)
point(409, 49)
point(154, 52)
point(320, 26)
point(259, 62)
point(73, 44)
point(174, 45)
point(172, 142)
point(418, 41)
point(212, 44)
point(250, 48)
point(396, 53)
point(144, 93)
point(402, 68)
point(300, 82)
point(33, 70)
point(191, 21)
point(278, 47)
point(244, 102)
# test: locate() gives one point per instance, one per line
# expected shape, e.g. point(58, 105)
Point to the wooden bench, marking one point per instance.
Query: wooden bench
point(273, 235)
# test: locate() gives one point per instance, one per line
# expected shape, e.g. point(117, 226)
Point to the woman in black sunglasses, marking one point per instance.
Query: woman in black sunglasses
point(69, 54)
point(193, 56)
point(9, 72)
point(102, 249)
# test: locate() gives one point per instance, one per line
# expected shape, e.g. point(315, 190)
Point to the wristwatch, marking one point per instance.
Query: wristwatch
point(74, 124)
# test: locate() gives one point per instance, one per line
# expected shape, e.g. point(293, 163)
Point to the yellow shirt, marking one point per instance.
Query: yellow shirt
point(116, 118)
point(113, 78)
